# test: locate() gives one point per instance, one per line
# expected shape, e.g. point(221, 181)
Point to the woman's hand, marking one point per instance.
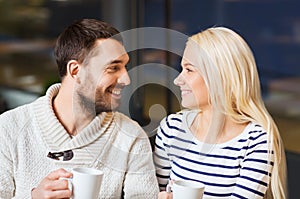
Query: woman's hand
point(165, 195)
point(51, 187)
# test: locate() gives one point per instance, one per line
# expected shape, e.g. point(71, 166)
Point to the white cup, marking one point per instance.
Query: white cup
point(185, 189)
point(85, 183)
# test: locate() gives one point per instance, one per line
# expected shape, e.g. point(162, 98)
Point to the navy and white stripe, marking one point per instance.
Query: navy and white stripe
point(239, 168)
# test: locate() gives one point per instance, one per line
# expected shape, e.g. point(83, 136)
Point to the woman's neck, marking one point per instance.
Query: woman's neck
point(215, 127)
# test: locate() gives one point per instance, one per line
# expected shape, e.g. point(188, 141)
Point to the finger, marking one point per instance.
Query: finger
point(55, 175)
point(54, 185)
point(162, 195)
point(63, 194)
point(58, 194)
point(168, 196)
point(165, 195)
point(60, 185)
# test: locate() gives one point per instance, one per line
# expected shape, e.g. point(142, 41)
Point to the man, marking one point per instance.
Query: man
point(75, 125)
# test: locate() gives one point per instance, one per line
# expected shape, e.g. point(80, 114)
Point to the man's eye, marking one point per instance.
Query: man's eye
point(113, 68)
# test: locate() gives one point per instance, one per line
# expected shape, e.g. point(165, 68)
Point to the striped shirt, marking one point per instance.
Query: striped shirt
point(239, 168)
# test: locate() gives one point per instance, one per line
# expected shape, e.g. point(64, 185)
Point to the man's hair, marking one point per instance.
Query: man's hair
point(78, 39)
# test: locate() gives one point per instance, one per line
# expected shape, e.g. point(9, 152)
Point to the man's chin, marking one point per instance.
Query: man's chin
point(114, 107)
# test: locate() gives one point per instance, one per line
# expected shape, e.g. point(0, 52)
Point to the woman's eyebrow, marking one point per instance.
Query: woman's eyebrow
point(188, 64)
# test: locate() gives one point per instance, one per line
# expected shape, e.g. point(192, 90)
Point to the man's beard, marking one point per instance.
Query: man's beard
point(105, 105)
point(94, 105)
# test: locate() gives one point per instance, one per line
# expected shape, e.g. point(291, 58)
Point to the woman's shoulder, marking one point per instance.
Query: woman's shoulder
point(255, 133)
point(175, 123)
point(174, 118)
point(255, 129)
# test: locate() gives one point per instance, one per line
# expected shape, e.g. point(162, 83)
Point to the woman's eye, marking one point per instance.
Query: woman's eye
point(188, 70)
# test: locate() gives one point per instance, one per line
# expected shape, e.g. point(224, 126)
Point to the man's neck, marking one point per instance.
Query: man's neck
point(62, 106)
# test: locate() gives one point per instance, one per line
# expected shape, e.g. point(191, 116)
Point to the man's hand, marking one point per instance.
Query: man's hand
point(51, 187)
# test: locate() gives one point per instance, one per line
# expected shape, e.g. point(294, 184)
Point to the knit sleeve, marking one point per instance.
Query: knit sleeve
point(255, 169)
point(161, 158)
point(7, 186)
point(140, 180)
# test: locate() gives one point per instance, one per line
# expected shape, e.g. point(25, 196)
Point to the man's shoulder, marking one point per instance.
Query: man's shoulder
point(13, 120)
point(18, 116)
point(127, 125)
point(123, 119)
point(17, 113)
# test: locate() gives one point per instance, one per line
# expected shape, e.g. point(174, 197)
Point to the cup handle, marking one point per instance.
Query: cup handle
point(169, 187)
point(70, 185)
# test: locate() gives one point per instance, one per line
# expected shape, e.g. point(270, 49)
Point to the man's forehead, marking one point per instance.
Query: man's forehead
point(110, 45)
point(109, 50)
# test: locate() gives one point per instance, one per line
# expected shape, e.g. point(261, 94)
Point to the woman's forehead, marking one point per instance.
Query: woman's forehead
point(190, 54)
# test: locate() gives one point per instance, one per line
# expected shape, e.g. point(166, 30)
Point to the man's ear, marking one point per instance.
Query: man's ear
point(73, 70)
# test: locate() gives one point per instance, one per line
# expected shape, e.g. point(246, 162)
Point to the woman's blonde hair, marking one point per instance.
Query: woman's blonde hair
point(228, 67)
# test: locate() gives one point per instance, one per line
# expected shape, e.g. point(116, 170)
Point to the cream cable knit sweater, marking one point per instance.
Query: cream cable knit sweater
point(111, 142)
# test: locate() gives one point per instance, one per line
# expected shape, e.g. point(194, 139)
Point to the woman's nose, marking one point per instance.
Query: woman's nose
point(178, 80)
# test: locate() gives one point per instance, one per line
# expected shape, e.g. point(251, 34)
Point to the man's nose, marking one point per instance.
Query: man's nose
point(124, 78)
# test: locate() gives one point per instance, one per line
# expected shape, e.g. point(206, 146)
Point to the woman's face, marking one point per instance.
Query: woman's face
point(194, 91)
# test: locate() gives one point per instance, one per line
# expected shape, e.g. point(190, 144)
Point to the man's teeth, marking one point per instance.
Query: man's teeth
point(116, 92)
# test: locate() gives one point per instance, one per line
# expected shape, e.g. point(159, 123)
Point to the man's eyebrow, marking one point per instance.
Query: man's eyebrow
point(115, 62)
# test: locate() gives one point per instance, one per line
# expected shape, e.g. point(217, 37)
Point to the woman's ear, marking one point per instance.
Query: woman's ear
point(73, 70)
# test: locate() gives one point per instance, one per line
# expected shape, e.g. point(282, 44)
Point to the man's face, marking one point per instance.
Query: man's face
point(103, 77)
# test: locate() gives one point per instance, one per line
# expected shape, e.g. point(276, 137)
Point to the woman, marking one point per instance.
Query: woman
point(225, 138)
